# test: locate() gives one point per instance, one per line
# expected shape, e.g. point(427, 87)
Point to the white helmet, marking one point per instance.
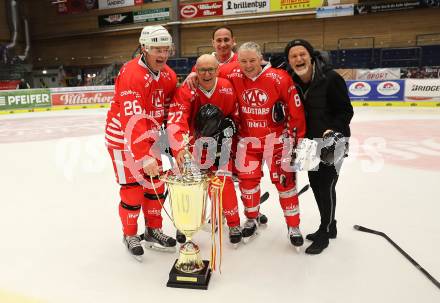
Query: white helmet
point(155, 35)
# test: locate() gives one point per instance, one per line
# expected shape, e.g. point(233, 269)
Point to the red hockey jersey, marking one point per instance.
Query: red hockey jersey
point(257, 97)
point(222, 65)
point(139, 107)
point(186, 103)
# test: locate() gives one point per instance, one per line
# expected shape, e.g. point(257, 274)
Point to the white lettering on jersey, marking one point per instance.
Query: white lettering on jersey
point(256, 123)
point(274, 76)
point(255, 97)
point(157, 98)
point(165, 75)
point(156, 113)
point(226, 91)
point(129, 92)
point(255, 110)
point(235, 73)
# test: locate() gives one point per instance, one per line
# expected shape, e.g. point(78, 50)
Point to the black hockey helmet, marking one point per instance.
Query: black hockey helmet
point(208, 120)
point(334, 148)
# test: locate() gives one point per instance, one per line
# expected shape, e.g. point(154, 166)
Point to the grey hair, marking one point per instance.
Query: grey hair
point(251, 46)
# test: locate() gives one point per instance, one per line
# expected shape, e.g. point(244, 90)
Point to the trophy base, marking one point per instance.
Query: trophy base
point(198, 280)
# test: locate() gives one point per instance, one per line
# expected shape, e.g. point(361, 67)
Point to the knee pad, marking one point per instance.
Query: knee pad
point(250, 194)
point(286, 192)
point(154, 193)
point(131, 195)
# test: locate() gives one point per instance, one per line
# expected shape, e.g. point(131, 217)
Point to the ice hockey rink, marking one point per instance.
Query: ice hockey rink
point(61, 235)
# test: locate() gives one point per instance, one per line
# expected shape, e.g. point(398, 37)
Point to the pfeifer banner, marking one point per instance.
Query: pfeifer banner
point(201, 10)
point(24, 98)
point(289, 5)
point(422, 90)
point(82, 95)
point(106, 4)
point(236, 7)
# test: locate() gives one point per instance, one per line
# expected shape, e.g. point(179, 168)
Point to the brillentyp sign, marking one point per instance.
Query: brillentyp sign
point(235, 7)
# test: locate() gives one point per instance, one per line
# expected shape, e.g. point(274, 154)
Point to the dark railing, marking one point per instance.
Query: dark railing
point(361, 47)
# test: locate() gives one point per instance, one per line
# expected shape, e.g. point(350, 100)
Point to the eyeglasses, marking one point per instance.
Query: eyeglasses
point(210, 70)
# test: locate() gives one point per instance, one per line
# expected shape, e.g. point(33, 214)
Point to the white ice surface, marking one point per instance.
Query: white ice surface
point(60, 235)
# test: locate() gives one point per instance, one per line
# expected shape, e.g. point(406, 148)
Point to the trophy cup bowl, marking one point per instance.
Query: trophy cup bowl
point(188, 201)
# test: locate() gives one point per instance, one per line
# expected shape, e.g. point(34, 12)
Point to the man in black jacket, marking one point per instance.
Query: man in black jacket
point(328, 114)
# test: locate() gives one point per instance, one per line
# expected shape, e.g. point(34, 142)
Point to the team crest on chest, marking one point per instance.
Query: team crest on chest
point(255, 97)
point(157, 98)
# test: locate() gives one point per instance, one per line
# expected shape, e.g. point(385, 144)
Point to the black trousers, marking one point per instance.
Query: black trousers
point(323, 182)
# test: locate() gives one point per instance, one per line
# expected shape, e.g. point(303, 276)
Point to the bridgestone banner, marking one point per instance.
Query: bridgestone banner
point(422, 90)
point(24, 98)
point(82, 95)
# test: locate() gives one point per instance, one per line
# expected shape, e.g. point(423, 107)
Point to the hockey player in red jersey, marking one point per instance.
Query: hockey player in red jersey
point(143, 90)
point(223, 42)
point(208, 111)
point(270, 109)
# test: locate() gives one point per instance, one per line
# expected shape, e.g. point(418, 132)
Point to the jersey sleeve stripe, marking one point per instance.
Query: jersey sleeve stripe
point(110, 138)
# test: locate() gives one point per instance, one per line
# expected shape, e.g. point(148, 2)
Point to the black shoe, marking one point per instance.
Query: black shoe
point(181, 238)
point(320, 243)
point(332, 233)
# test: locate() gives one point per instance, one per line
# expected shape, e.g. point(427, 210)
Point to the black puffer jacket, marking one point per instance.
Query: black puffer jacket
point(326, 101)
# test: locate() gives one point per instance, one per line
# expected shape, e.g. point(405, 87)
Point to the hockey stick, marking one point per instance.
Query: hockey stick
point(413, 262)
point(303, 190)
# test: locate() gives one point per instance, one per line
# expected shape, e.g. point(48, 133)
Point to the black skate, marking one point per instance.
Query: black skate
point(134, 246)
point(181, 238)
point(155, 239)
point(235, 235)
point(295, 237)
point(262, 220)
point(249, 230)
